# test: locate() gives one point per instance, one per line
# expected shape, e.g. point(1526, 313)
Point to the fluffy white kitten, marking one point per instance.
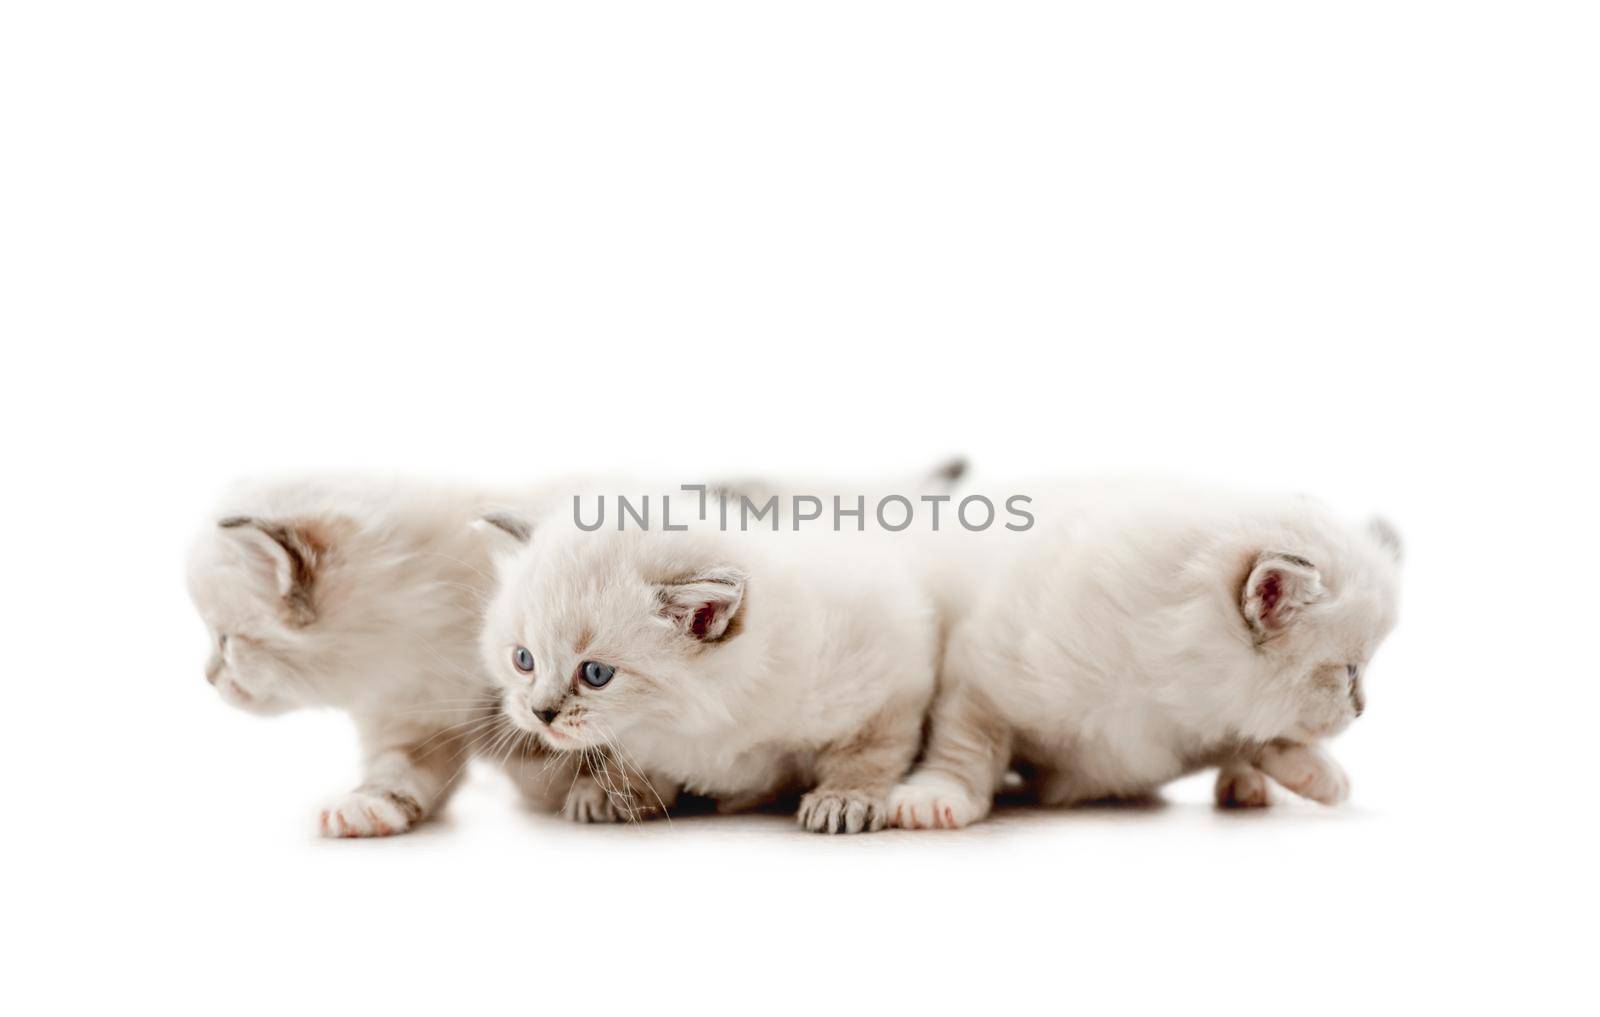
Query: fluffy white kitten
point(366, 596)
point(737, 665)
point(1144, 631)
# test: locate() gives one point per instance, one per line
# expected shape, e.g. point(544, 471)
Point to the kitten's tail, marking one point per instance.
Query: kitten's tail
point(947, 474)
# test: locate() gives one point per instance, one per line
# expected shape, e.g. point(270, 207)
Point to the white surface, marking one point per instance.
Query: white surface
point(1349, 251)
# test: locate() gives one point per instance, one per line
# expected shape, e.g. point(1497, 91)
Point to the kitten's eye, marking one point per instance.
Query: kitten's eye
point(1351, 670)
point(523, 659)
point(596, 674)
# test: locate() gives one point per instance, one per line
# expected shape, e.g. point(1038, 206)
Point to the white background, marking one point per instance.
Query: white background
point(1349, 249)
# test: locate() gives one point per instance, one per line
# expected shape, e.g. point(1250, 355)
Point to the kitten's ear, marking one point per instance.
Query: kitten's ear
point(705, 607)
point(1384, 532)
point(508, 525)
point(288, 553)
point(1278, 586)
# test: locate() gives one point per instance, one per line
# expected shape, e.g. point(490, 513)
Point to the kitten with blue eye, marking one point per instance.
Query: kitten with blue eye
point(735, 665)
point(1144, 631)
point(366, 596)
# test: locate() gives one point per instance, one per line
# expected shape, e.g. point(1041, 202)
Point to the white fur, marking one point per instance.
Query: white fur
point(386, 631)
point(1116, 647)
point(820, 681)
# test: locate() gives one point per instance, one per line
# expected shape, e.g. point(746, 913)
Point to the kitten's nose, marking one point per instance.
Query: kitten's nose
point(546, 715)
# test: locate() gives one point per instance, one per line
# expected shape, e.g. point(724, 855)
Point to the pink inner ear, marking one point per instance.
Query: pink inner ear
point(701, 623)
point(1270, 591)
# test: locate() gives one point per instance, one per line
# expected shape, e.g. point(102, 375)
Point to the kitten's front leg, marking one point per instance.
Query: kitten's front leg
point(954, 785)
point(1306, 770)
point(544, 778)
point(609, 793)
point(405, 779)
point(854, 776)
point(596, 789)
point(1241, 786)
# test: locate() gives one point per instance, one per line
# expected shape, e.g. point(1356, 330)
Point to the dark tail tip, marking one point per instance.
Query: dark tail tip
point(950, 471)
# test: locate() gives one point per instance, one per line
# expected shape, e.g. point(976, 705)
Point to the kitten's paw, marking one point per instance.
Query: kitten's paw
point(1243, 787)
point(932, 801)
point(588, 802)
point(1307, 772)
point(828, 811)
point(370, 812)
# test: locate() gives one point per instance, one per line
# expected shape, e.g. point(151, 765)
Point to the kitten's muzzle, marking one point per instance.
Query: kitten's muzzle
point(541, 706)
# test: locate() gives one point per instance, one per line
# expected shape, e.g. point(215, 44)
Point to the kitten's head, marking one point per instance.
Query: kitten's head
point(1316, 616)
point(255, 583)
point(592, 634)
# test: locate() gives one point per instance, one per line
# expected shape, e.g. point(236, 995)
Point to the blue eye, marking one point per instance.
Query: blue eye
point(523, 659)
point(596, 674)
